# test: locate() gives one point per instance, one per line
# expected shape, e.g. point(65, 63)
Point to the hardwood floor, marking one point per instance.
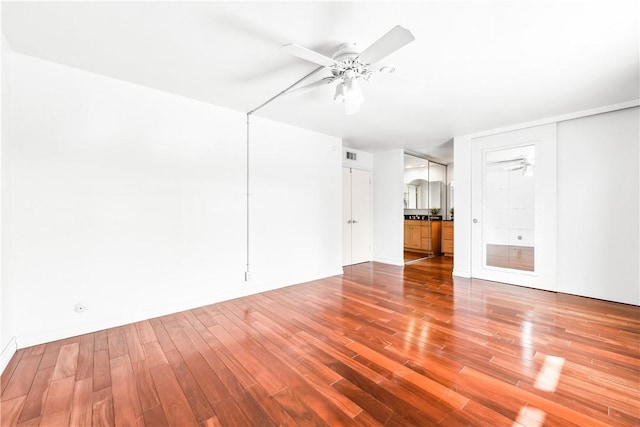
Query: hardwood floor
point(410, 256)
point(380, 345)
point(509, 256)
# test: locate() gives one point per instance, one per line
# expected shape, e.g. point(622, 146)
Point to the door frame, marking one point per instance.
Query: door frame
point(545, 217)
point(345, 225)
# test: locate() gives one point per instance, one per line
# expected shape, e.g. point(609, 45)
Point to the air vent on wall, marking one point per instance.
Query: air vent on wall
point(351, 156)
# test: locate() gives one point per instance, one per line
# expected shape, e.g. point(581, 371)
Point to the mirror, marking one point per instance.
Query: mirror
point(424, 186)
point(415, 193)
point(508, 195)
point(425, 206)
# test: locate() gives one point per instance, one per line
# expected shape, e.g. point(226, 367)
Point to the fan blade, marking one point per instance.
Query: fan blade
point(322, 82)
point(497, 162)
point(396, 38)
point(307, 54)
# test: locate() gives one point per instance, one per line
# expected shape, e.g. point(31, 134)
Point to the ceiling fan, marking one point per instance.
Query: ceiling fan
point(348, 65)
point(521, 163)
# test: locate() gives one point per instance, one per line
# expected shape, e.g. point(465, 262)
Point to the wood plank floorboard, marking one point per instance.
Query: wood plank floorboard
point(377, 346)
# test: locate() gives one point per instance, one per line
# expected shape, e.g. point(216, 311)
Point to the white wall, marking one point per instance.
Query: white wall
point(598, 206)
point(132, 201)
point(363, 161)
point(462, 204)
point(296, 204)
point(388, 211)
point(7, 325)
point(598, 214)
point(448, 188)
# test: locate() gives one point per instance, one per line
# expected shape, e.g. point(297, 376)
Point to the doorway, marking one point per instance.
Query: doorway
point(356, 216)
point(513, 206)
point(425, 207)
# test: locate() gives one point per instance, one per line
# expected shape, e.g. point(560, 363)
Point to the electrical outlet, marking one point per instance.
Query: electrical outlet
point(79, 308)
point(247, 276)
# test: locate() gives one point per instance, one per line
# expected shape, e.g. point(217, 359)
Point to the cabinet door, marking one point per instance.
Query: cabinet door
point(447, 247)
point(447, 231)
point(424, 236)
point(436, 237)
point(447, 238)
point(415, 237)
point(407, 236)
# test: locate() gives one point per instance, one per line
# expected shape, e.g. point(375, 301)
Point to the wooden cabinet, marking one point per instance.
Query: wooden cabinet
point(435, 237)
point(423, 236)
point(447, 237)
point(412, 235)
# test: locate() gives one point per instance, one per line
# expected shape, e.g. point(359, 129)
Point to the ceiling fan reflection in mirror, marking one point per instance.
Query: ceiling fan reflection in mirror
point(349, 66)
point(526, 165)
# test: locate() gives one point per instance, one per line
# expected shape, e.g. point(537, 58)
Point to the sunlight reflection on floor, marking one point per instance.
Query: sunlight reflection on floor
point(530, 417)
point(547, 380)
point(549, 375)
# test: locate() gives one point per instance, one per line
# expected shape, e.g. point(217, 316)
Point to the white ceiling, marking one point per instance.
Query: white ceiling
point(474, 65)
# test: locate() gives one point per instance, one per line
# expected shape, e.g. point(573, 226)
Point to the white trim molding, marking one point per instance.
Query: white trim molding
point(462, 274)
point(561, 118)
point(389, 261)
point(54, 335)
point(7, 353)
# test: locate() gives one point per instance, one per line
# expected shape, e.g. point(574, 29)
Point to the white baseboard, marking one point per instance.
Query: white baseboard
point(399, 263)
point(7, 353)
point(270, 286)
point(464, 274)
point(242, 291)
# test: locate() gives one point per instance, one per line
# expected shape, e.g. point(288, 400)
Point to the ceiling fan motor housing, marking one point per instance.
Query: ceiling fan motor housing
point(346, 59)
point(346, 51)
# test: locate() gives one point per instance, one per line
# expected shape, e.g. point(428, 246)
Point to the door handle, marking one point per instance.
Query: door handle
point(475, 220)
point(354, 221)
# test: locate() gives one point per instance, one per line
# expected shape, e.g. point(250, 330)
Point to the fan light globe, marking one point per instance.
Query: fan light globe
point(340, 93)
point(352, 91)
point(355, 95)
point(352, 86)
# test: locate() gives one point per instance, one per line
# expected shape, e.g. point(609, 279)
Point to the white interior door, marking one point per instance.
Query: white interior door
point(346, 216)
point(356, 209)
point(513, 205)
